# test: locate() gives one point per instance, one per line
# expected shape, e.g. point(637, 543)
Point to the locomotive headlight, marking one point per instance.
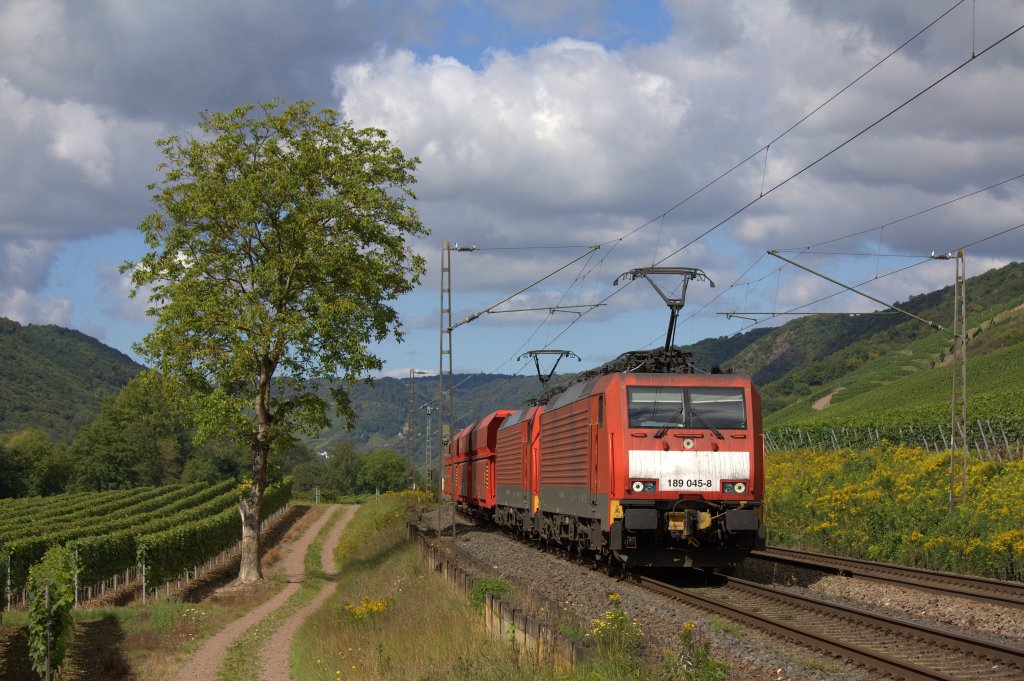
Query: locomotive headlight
point(648, 486)
point(734, 487)
point(739, 488)
point(638, 486)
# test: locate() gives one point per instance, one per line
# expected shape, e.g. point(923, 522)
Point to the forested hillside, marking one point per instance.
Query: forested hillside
point(56, 379)
point(382, 409)
point(797, 359)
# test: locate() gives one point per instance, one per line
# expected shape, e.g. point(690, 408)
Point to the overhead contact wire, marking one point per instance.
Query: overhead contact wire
point(843, 144)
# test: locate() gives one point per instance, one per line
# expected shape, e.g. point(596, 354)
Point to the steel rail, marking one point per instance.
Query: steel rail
point(867, 639)
point(1009, 594)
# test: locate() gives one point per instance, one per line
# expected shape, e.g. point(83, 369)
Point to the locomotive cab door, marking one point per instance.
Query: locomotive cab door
point(596, 425)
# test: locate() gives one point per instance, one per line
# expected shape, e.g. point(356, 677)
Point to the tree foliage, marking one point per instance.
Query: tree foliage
point(382, 470)
point(33, 464)
point(278, 244)
point(141, 437)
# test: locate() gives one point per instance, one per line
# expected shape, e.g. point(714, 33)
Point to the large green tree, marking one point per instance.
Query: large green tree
point(279, 241)
point(382, 470)
point(141, 437)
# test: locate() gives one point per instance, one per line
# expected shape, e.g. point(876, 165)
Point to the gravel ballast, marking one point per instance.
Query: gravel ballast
point(553, 583)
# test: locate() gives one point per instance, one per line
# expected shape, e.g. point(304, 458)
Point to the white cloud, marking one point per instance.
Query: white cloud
point(556, 128)
point(80, 137)
point(24, 269)
point(70, 169)
point(21, 306)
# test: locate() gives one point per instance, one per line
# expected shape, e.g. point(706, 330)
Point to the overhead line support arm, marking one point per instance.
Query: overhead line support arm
point(861, 293)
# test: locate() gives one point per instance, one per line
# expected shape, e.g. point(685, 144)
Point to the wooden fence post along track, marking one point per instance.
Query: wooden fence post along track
point(533, 639)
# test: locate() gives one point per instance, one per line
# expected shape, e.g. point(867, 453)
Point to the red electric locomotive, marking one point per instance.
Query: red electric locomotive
point(640, 461)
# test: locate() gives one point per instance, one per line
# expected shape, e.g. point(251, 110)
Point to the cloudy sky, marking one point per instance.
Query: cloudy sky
point(544, 127)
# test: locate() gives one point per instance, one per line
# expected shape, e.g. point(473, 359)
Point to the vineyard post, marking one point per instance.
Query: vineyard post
point(984, 439)
point(46, 601)
point(76, 577)
point(8, 580)
point(1005, 440)
point(995, 441)
point(143, 581)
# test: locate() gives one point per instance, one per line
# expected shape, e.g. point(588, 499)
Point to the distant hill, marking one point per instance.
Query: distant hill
point(55, 378)
point(804, 356)
point(382, 409)
point(795, 365)
point(809, 370)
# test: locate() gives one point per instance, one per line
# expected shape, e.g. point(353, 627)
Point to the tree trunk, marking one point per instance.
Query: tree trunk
point(250, 508)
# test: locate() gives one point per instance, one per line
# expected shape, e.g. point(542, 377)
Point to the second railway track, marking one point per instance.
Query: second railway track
point(1008, 594)
point(885, 645)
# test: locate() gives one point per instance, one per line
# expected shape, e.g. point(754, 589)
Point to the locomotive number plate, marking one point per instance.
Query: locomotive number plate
point(689, 483)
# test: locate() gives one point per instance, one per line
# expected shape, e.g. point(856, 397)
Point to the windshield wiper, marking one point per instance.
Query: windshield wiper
point(710, 427)
point(668, 423)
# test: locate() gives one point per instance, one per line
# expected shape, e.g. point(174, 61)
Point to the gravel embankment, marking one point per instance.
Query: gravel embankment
point(554, 584)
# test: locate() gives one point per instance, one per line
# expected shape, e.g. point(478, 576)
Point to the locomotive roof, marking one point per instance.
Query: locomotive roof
point(518, 416)
point(658, 361)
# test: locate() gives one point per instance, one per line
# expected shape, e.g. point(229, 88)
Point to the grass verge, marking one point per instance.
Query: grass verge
point(391, 620)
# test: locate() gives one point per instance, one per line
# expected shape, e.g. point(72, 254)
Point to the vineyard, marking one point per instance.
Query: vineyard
point(912, 407)
point(155, 533)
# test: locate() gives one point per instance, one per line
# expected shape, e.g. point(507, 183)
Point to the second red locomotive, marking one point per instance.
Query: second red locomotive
point(641, 461)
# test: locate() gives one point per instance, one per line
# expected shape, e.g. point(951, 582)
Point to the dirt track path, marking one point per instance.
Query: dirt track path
point(274, 658)
point(207, 661)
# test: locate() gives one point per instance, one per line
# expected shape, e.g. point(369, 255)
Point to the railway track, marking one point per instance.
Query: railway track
point(884, 645)
point(1009, 594)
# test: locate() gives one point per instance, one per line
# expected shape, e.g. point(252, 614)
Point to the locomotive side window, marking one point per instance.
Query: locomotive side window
point(721, 407)
point(656, 407)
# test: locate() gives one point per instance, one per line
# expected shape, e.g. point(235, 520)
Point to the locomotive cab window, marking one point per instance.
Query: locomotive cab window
point(656, 407)
point(675, 407)
point(721, 407)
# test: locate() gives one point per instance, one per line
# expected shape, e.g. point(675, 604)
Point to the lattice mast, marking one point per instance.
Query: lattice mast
point(958, 422)
point(445, 407)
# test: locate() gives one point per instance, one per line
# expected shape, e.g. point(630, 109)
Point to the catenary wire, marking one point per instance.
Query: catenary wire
point(615, 242)
point(829, 153)
point(821, 158)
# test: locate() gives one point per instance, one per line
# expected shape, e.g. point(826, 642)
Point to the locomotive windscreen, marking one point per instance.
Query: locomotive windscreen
point(656, 407)
point(671, 406)
point(721, 407)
